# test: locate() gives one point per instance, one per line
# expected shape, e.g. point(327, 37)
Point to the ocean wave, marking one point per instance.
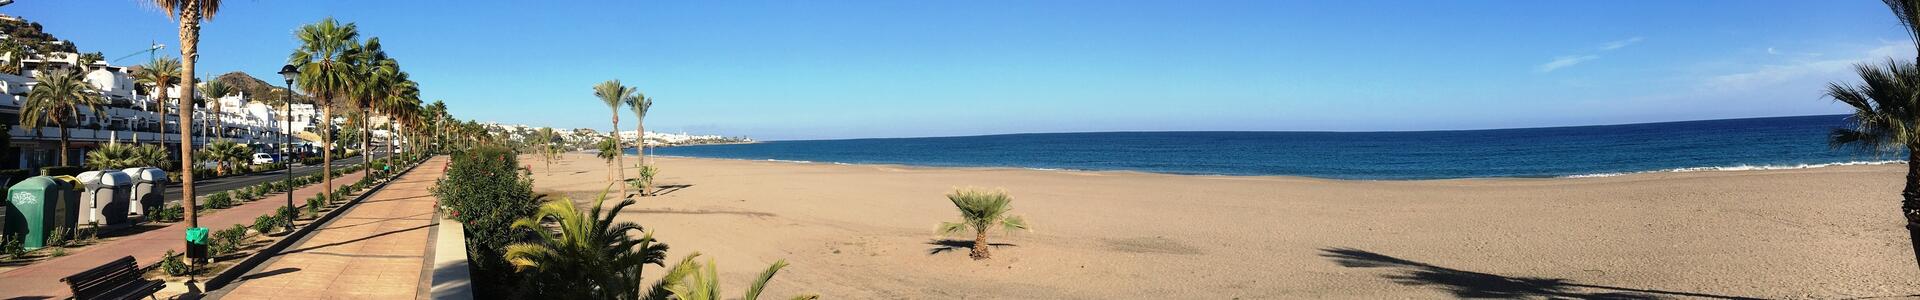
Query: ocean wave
point(1744, 168)
point(789, 161)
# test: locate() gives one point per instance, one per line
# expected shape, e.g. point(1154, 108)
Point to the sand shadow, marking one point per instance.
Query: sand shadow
point(946, 245)
point(668, 189)
point(1469, 284)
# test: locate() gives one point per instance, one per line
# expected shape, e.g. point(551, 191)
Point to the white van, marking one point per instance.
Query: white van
point(262, 158)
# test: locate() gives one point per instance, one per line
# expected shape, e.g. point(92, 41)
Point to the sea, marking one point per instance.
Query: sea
point(1574, 151)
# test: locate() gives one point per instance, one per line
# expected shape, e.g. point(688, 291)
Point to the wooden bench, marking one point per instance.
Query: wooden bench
point(119, 279)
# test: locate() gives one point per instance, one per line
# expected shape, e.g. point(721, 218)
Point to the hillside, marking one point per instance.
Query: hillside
point(258, 90)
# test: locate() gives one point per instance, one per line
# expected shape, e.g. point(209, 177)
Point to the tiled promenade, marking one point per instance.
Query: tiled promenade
point(376, 250)
point(41, 280)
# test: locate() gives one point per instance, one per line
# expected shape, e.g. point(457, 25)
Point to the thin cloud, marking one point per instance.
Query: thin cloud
point(1565, 61)
point(1614, 45)
point(1799, 70)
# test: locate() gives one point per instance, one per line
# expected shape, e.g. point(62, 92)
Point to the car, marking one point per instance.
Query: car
point(264, 158)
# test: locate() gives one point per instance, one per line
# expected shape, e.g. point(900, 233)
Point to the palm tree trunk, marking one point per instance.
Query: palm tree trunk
point(326, 147)
point(640, 149)
point(63, 145)
point(366, 139)
point(619, 160)
point(189, 52)
point(980, 245)
point(1910, 200)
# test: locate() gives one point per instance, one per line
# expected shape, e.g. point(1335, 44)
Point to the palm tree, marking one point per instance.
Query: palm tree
point(374, 74)
point(690, 280)
point(162, 74)
point(225, 154)
point(543, 142)
point(57, 99)
point(580, 255)
point(325, 71)
point(611, 93)
point(981, 210)
point(113, 156)
point(640, 103)
point(609, 148)
point(1886, 119)
point(150, 155)
point(190, 13)
point(214, 90)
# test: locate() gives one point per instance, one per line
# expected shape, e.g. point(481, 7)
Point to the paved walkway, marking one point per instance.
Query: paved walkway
point(42, 279)
point(376, 250)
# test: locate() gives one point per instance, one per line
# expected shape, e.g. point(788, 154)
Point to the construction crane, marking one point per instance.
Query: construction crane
point(150, 51)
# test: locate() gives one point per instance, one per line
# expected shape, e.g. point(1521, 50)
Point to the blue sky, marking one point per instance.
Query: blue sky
point(846, 69)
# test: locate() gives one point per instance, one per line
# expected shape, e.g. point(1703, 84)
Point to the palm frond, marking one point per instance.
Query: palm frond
point(760, 283)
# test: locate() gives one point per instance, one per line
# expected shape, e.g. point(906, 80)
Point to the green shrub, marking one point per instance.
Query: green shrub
point(172, 213)
point(58, 237)
point(14, 175)
point(265, 223)
point(227, 241)
point(485, 190)
point(15, 247)
point(63, 170)
point(311, 160)
point(284, 216)
point(222, 199)
point(172, 264)
point(314, 205)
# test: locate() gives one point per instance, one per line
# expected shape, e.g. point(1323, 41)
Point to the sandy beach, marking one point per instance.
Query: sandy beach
point(866, 232)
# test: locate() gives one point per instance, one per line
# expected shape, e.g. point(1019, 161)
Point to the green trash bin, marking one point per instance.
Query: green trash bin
point(37, 206)
point(197, 244)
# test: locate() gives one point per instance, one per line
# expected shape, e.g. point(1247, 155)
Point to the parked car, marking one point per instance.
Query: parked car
point(264, 158)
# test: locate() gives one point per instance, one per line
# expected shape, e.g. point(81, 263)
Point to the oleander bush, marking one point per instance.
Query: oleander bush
point(484, 190)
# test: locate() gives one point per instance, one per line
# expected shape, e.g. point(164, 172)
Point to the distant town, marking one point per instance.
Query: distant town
point(584, 138)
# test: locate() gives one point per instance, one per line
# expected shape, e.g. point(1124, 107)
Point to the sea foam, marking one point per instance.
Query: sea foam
point(1745, 168)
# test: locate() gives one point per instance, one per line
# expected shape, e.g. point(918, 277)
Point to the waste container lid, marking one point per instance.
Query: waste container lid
point(114, 178)
point(146, 174)
point(197, 235)
point(36, 182)
point(68, 181)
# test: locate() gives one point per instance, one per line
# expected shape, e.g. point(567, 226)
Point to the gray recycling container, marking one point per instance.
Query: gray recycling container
point(105, 195)
point(149, 190)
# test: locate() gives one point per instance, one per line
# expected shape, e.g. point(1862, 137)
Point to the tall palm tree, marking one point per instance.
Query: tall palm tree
point(190, 13)
point(611, 93)
point(438, 113)
point(640, 103)
point(214, 90)
point(543, 142)
point(57, 98)
point(375, 73)
point(162, 74)
point(325, 72)
point(979, 211)
point(1886, 119)
point(585, 255)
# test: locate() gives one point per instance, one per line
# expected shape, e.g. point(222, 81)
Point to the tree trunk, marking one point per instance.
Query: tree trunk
point(980, 245)
point(326, 147)
point(189, 52)
point(63, 145)
point(619, 159)
point(1910, 200)
point(366, 140)
point(640, 148)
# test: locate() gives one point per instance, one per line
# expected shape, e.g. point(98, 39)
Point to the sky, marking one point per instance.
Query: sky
point(779, 70)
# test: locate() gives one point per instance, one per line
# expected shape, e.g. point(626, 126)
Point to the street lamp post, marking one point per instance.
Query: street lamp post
point(288, 71)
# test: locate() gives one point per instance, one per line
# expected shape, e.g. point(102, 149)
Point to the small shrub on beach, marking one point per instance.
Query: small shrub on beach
point(980, 211)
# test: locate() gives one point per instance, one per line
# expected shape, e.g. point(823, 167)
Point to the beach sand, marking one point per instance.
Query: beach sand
point(866, 232)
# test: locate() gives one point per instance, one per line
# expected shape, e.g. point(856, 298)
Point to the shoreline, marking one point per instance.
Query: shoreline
point(1683, 170)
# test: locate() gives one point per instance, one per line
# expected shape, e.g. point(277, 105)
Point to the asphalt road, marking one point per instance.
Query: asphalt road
point(210, 186)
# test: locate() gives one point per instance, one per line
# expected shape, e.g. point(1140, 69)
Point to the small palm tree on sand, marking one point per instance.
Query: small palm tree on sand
point(981, 210)
point(690, 280)
point(587, 253)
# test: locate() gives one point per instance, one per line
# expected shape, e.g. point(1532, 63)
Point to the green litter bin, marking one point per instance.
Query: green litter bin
point(37, 206)
point(197, 244)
